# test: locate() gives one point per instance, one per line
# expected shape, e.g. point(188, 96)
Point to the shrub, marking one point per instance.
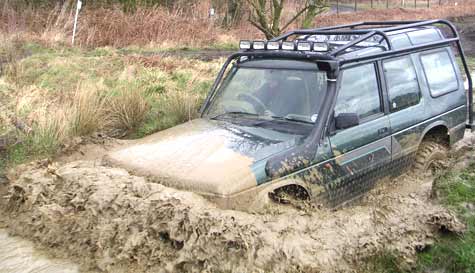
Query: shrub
point(87, 114)
point(126, 111)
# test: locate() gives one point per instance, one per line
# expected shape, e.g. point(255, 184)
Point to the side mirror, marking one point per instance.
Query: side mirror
point(346, 120)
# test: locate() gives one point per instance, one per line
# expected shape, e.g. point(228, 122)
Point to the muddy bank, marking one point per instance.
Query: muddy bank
point(106, 219)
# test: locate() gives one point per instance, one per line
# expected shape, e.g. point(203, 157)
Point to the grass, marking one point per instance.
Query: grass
point(58, 93)
point(451, 253)
point(470, 62)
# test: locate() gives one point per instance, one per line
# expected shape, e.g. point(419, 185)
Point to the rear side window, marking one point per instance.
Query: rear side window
point(440, 73)
point(401, 79)
point(424, 36)
point(359, 92)
point(400, 41)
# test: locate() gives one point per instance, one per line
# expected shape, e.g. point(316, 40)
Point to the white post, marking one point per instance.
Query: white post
point(78, 8)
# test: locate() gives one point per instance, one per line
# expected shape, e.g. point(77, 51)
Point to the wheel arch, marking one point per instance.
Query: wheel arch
point(439, 130)
point(289, 182)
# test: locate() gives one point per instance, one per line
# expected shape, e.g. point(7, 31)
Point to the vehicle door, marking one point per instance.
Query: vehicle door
point(406, 106)
point(361, 149)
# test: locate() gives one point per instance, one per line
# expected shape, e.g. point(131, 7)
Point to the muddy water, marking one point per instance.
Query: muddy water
point(18, 255)
point(109, 220)
point(117, 222)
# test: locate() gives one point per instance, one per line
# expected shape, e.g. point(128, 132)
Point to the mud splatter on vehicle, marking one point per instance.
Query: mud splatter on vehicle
point(105, 218)
point(326, 111)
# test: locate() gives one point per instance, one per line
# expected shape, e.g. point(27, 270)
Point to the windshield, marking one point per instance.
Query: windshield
point(274, 93)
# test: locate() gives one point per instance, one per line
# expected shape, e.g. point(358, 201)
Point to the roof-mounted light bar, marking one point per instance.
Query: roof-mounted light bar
point(259, 45)
point(284, 45)
point(245, 44)
point(288, 45)
point(273, 45)
point(304, 46)
point(320, 46)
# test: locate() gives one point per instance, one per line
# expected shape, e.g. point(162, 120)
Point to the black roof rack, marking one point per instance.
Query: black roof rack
point(365, 30)
point(382, 28)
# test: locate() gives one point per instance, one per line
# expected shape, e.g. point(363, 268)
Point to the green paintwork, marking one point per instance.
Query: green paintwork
point(346, 161)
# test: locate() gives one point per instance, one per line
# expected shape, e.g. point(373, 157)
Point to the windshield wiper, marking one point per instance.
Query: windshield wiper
point(293, 118)
point(235, 113)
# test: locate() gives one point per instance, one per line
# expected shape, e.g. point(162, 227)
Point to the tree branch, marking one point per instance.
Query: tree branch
point(262, 29)
point(295, 17)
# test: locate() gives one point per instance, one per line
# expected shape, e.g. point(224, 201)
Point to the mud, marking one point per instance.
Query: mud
point(108, 220)
point(194, 156)
point(17, 255)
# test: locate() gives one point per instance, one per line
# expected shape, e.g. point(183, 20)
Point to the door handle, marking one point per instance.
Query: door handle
point(382, 131)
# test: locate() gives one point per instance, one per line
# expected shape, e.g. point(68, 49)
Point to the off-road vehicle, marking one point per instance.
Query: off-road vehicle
point(324, 114)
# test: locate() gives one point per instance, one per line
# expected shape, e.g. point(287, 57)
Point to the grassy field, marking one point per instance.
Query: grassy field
point(50, 95)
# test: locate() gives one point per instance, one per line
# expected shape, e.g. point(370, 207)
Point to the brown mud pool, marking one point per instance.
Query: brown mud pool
point(103, 219)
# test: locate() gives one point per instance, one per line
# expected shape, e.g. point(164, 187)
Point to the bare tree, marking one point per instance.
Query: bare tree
point(266, 15)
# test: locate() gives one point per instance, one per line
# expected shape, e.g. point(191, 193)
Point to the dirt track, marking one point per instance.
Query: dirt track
point(106, 219)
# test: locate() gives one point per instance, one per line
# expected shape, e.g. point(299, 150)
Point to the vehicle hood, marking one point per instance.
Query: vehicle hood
point(205, 156)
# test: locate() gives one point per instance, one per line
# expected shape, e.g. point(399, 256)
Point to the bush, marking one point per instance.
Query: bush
point(126, 111)
point(87, 115)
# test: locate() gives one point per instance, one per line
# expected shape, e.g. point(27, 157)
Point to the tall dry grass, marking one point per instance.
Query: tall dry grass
point(87, 111)
point(50, 130)
point(182, 105)
point(447, 11)
point(174, 27)
point(111, 26)
point(126, 111)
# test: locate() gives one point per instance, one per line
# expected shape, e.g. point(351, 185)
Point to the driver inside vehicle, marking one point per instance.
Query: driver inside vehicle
point(280, 93)
point(270, 92)
point(274, 93)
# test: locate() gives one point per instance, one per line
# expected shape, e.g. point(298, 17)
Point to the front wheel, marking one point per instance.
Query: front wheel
point(430, 157)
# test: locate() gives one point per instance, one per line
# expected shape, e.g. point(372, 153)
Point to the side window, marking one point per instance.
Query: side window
point(359, 92)
point(400, 41)
point(401, 79)
point(424, 36)
point(440, 72)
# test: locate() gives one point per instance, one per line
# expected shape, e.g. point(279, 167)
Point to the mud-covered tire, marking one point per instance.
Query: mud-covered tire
point(430, 157)
point(293, 195)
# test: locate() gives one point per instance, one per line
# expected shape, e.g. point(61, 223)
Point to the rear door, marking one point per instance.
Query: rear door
point(359, 151)
point(406, 106)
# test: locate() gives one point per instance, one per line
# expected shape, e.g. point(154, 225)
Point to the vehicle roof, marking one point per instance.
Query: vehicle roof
point(278, 64)
point(357, 42)
point(399, 39)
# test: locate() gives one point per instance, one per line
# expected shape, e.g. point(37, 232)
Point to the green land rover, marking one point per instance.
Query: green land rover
point(321, 116)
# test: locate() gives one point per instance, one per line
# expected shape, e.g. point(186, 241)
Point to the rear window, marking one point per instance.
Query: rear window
point(440, 72)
